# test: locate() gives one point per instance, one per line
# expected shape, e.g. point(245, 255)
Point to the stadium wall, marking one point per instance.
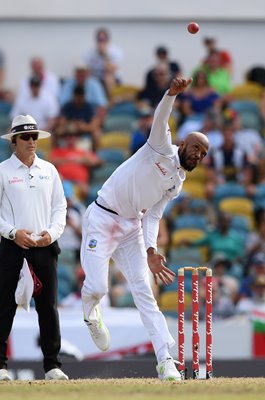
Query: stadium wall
point(61, 31)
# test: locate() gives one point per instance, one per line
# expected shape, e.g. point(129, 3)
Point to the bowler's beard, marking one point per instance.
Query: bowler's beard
point(183, 160)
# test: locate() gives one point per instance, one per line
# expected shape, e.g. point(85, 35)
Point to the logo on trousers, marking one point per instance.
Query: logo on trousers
point(92, 243)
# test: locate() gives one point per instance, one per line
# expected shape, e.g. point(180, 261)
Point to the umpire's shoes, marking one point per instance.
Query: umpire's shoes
point(4, 375)
point(167, 370)
point(56, 374)
point(98, 331)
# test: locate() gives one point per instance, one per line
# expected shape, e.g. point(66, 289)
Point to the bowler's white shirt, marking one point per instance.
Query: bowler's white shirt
point(31, 197)
point(142, 185)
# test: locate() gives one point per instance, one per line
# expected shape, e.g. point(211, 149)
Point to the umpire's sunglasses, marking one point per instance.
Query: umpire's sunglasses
point(27, 136)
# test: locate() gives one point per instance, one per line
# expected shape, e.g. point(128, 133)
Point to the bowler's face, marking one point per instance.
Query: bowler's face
point(192, 153)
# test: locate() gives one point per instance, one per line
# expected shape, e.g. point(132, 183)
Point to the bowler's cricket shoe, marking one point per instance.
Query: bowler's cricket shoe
point(56, 374)
point(4, 376)
point(98, 331)
point(167, 370)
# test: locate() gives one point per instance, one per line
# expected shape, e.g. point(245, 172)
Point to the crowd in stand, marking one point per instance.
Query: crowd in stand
point(97, 120)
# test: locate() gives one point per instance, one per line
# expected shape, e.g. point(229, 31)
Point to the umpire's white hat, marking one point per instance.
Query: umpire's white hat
point(25, 124)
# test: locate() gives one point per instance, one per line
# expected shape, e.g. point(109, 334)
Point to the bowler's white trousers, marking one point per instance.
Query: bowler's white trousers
point(105, 236)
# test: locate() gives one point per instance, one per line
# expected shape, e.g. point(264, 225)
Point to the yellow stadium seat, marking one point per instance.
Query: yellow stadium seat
point(168, 301)
point(191, 234)
point(123, 93)
point(116, 140)
point(44, 147)
point(239, 206)
point(195, 189)
point(198, 174)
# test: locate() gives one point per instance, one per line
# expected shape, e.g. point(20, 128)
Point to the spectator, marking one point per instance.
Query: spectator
point(49, 81)
point(210, 126)
point(200, 98)
point(254, 267)
point(71, 237)
point(256, 302)
point(141, 133)
point(94, 91)
point(162, 56)
point(226, 163)
point(248, 90)
point(6, 102)
point(255, 242)
point(225, 57)
point(105, 60)
point(74, 164)
point(38, 103)
point(222, 239)
point(78, 116)
point(153, 94)
point(218, 76)
point(225, 287)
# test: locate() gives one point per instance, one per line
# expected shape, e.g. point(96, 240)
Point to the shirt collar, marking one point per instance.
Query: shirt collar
point(180, 171)
point(17, 163)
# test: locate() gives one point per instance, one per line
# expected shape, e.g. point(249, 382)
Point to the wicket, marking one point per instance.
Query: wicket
point(195, 322)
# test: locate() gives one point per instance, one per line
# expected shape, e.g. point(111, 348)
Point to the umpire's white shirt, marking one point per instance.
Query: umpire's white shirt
point(149, 179)
point(31, 197)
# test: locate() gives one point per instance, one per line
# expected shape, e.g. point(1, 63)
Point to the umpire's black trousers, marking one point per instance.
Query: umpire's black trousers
point(44, 262)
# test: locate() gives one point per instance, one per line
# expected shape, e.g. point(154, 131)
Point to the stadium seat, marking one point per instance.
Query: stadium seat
point(182, 257)
point(228, 189)
point(93, 192)
point(198, 174)
point(115, 140)
point(178, 235)
point(249, 113)
point(168, 301)
point(191, 234)
point(123, 93)
point(238, 206)
point(120, 123)
point(190, 221)
point(195, 189)
point(124, 108)
point(101, 174)
point(259, 197)
point(114, 156)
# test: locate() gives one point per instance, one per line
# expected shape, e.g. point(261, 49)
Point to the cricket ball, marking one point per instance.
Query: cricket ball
point(193, 27)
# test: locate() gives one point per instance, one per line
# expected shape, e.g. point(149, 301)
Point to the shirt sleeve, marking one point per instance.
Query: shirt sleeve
point(58, 208)
point(150, 223)
point(5, 227)
point(160, 135)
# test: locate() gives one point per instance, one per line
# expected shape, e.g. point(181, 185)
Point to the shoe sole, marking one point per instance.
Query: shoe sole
point(108, 345)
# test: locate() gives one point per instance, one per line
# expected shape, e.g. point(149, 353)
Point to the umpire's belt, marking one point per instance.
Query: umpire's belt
point(105, 208)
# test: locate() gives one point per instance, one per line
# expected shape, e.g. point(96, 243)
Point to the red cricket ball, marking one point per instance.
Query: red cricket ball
point(193, 27)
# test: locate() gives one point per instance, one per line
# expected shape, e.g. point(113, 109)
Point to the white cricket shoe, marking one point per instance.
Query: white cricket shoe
point(167, 370)
point(4, 375)
point(98, 331)
point(56, 374)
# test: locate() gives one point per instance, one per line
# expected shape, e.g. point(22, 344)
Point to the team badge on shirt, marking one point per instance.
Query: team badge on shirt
point(92, 243)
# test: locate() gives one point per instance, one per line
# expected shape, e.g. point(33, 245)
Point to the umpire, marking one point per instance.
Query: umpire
point(32, 218)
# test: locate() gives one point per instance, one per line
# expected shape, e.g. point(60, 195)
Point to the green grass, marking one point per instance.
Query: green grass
point(135, 389)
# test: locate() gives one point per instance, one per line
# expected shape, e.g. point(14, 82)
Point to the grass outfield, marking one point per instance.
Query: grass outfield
point(135, 389)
